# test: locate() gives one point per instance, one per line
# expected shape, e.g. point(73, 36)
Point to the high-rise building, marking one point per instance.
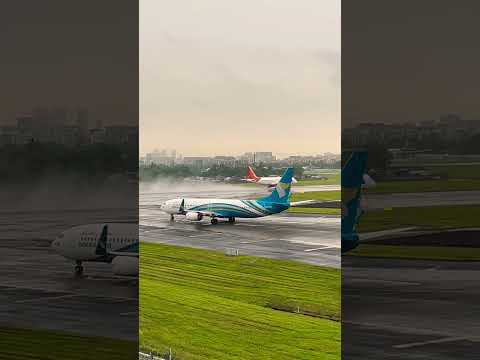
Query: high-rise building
point(263, 156)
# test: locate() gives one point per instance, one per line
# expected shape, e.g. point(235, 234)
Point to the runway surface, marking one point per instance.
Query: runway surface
point(410, 309)
point(312, 239)
point(382, 201)
point(37, 286)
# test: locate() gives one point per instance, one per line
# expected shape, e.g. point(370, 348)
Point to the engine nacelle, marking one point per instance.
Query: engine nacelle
point(194, 216)
point(125, 265)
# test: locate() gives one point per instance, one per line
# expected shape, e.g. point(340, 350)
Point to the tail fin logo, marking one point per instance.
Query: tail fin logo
point(251, 174)
point(281, 189)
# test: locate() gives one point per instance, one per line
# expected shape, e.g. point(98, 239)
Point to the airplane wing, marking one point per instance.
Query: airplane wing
point(304, 202)
point(330, 203)
point(102, 249)
point(119, 253)
point(130, 251)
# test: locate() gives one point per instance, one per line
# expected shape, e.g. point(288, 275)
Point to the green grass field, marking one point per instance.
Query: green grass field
point(316, 195)
point(332, 179)
point(319, 211)
point(417, 252)
point(425, 186)
point(465, 171)
point(460, 178)
point(429, 218)
point(22, 344)
point(205, 305)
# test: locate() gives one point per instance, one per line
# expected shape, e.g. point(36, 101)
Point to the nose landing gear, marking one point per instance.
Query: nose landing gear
point(78, 268)
point(231, 220)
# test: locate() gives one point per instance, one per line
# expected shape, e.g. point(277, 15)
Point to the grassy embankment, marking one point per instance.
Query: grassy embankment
point(23, 344)
point(423, 218)
point(205, 305)
point(459, 178)
point(332, 179)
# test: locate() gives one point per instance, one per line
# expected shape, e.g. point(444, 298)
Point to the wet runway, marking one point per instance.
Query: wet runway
point(37, 286)
point(381, 201)
point(312, 239)
point(415, 309)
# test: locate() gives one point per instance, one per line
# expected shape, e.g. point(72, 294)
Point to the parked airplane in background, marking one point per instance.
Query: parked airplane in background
point(115, 243)
point(264, 180)
point(197, 209)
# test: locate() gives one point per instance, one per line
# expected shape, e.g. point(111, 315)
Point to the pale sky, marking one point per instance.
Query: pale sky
point(225, 77)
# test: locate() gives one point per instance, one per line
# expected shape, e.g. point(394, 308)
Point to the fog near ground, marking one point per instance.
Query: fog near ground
point(172, 185)
point(56, 192)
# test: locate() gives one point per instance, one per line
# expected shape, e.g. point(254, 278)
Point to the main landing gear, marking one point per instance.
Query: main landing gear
point(78, 268)
point(214, 221)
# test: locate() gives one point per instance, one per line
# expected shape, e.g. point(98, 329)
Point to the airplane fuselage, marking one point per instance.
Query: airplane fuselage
point(224, 208)
point(269, 180)
point(80, 242)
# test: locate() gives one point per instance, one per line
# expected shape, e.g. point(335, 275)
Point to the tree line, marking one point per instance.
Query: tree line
point(34, 160)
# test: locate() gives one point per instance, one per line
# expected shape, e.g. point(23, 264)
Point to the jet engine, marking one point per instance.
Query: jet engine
point(194, 216)
point(125, 265)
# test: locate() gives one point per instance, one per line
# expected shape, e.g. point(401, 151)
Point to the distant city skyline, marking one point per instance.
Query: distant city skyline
point(170, 157)
point(270, 79)
point(226, 153)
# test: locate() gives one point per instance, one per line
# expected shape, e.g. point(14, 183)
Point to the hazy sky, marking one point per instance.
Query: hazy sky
point(71, 54)
point(409, 60)
point(223, 77)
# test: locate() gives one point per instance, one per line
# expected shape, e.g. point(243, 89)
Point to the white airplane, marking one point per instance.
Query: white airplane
point(263, 180)
point(197, 209)
point(115, 243)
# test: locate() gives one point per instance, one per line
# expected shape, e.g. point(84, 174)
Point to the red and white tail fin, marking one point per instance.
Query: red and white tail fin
point(251, 174)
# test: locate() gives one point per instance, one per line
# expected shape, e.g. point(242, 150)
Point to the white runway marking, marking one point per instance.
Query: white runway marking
point(384, 281)
point(258, 241)
point(48, 298)
point(129, 313)
point(322, 248)
point(437, 341)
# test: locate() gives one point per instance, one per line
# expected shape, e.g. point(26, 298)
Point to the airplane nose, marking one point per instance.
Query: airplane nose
point(54, 245)
point(57, 243)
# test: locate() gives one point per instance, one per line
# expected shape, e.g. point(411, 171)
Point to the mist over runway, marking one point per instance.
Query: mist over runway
point(313, 239)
